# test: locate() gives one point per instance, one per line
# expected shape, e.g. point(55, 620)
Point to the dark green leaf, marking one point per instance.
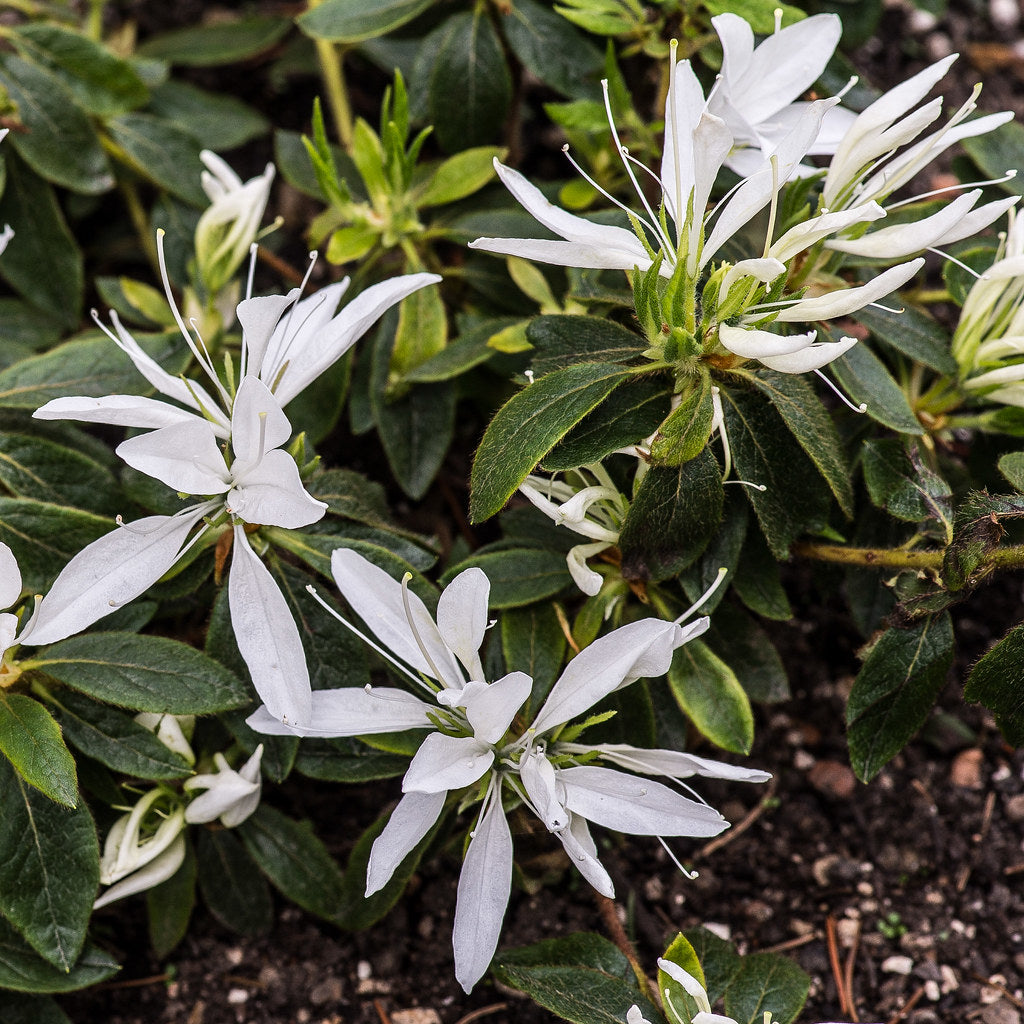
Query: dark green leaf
point(630, 414)
point(226, 42)
point(32, 467)
point(352, 21)
point(997, 681)
point(44, 538)
point(811, 425)
point(526, 428)
point(215, 120)
point(44, 244)
point(23, 970)
point(766, 981)
point(350, 494)
point(795, 499)
point(757, 582)
point(533, 641)
point(686, 429)
point(894, 691)
point(583, 978)
point(722, 552)
point(89, 366)
point(737, 639)
point(995, 151)
point(977, 532)
point(718, 959)
point(292, 857)
point(49, 872)
point(1012, 467)
point(865, 379)
point(117, 740)
point(707, 690)
point(899, 482)
point(26, 330)
point(26, 1009)
point(161, 152)
point(913, 333)
point(60, 144)
point(100, 82)
point(170, 905)
point(552, 50)
point(468, 350)
point(347, 760)
point(234, 890)
point(674, 514)
point(518, 575)
point(146, 673)
point(31, 740)
point(466, 61)
point(564, 341)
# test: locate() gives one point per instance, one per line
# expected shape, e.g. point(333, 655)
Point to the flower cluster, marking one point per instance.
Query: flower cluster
point(477, 742)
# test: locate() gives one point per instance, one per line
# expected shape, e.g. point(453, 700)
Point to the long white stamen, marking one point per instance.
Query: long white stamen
point(252, 269)
point(415, 632)
point(703, 599)
point(718, 420)
point(773, 161)
point(366, 640)
point(959, 263)
point(856, 408)
point(622, 206)
point(746, 483)
point(952, 188)
point(691, 875)
point(619, 148)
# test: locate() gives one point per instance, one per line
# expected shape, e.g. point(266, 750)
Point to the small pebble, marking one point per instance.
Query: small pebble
point(416, 1015)
point(363, 970)
point(931, 991)
point(1000, 1013)
point(966, 770)
point(237, 996)
point(949, 979)
point(1015, 807)
point(847, 931)
point(723, 931)
point(897, 965)
point(234, 956)
point(833, 778)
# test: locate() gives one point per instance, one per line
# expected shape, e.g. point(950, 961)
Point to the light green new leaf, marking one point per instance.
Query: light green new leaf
point(528, 426)
point(459, 176)
point(674, 996)
point(144, 673)
point(707, 690)
point(895, 690)
point(32, 741)
point(60, 143)
point(49, 872)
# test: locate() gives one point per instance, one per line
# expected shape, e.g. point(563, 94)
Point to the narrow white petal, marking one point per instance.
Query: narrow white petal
point(754, 344)
point(811, 358)
point(119, 410)
point(267, 636)
point(635, 806)
point(482, 896)
point(642, 648)
point(258, 318)
point(582, 851)
point(351, 711)
point(674, 763)
point(583, 576)
point(684, 107)
point(10, 577)
point(410, 821)
point(224, 791)
point(185, 456)
point(592, 255)
point(690, 984)
point(8, 631)
point(491, 708)
point(462, 617)
point(322, 349)
point(848, 300)
point(805, 234)
point(271, 494)
point(110, 572)
point(149, 875)
point(537, 775)
point(377, 599)
point(446, 762)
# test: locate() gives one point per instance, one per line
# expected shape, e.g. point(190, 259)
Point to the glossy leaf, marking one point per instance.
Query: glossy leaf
point(459, 176)
point(23, 970)
point(766, 981)
point(170, 905)
point(527, 427)
point(232, 886)
point(533, 641)
point(145, 673)
point(865, 379)
point(911, 332)
point(347, 760)
point(518, 576)
point(226, 42)
point(215, 120)
point(352, 21)
point(49, 873)
point(31, 740)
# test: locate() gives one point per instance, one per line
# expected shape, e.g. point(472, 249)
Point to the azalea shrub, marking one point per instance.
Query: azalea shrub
point(747, 328)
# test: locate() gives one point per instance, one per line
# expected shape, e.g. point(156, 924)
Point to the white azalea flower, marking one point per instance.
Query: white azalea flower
point(170, 731)
point(286, 344)
point(230, 795)
point(8, 232)
point(232, 221)
point(10, 593)
point(756, 92)
point(143, 847)
point(475, 739)
point(588, 503)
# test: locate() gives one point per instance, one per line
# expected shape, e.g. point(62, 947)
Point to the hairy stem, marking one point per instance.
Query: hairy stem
point(899, 558)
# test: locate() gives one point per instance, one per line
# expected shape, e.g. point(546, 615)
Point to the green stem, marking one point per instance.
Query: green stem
point(899, 558)
point(140, 221)
point(94, 23)
point(337, 95)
